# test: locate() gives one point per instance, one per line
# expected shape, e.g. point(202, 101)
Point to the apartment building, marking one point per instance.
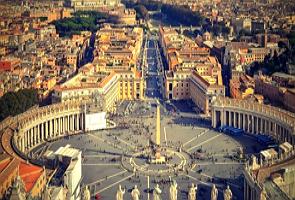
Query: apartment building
point(192, 73)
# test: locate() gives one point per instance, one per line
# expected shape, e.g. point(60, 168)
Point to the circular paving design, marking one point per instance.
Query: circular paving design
point(120, 156)
point(176, 162)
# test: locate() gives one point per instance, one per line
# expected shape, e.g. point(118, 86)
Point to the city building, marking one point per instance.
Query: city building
point(277, 90)
point(256, 118)
point(112, 76)
point(33, 178)
point(192, 72)
point(125, 15)
point(91, 4)
point(241, 87)
point(70, 161)
point(8, 172)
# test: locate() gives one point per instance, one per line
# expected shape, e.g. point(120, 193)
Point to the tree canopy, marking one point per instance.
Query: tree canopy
point(175, 14)
point(13, 103)
point(141, 12)
point(276, 63)
point(148, 4)
point(82, 21)
point(182, 15)
point(291, 37)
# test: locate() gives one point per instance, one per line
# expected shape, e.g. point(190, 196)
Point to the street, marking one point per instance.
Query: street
point(153, 71)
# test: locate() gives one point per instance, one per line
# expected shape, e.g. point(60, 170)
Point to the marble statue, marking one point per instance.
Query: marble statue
point(214, 193)
point(135, 193)
point(227, 194)
point(120, 193)
point(263, 194)
point(47, 194)
point(86, 193)
point(157, 193)
point(173, 190)
point(192, 194)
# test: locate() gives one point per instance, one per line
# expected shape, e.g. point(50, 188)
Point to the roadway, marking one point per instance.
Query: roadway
point(153, 70)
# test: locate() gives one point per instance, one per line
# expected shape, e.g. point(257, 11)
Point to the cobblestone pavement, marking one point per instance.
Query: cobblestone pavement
point(209, 155)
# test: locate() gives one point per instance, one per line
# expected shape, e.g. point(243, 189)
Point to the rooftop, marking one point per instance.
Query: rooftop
point(29, 174)
point(67, 151)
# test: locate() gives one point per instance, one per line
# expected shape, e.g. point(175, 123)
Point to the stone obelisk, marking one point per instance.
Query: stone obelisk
point(157, 158)
point(158, 127)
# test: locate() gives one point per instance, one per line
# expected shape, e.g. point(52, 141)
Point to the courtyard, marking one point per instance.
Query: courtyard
point(197, 154)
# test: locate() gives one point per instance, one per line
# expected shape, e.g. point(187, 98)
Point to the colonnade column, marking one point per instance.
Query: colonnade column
point(271, 128)
point(266, 127)
point(222, 118)
point(82, 121)
point(28, 138)
point(239, 120)
point(54, 127)
point(23, 143)
point(34, 136)
point(42, 131)
point(47, 130)
point(65, 123)
point(59, 126)
point(38, 134)
point(213, 119)
point(257, 125)
point(244, 122)
point(235, 119)
point(73, 122)
point(281, 133)
point(77, 122)
point(69, 123)
point(25, 139)
point(51, 128)
point(31, 137)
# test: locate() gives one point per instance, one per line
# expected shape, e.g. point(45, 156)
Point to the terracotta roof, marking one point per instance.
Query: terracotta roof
point(106, 79)
point(212, 60)
point(29, 174)
point(3, 164)
point(194, 73)
point(138, 74)
point(9, 167)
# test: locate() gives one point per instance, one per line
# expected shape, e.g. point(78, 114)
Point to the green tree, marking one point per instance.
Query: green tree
point(82, 21)
point(182, 15)
point(141, 12)
point(13, 103)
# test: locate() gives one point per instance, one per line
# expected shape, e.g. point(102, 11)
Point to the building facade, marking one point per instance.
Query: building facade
point(91, 4)
point(255, 118)
point(192, 73)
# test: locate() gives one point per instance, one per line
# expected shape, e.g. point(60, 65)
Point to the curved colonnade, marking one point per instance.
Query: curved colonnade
point(254, 118)
point(41, 124)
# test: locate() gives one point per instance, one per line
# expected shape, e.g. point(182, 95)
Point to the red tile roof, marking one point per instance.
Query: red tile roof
point(29, 174)
point(4, 164)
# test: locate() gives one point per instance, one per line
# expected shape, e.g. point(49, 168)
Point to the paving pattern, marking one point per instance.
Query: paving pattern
point(197, 154)
point(206, 156)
